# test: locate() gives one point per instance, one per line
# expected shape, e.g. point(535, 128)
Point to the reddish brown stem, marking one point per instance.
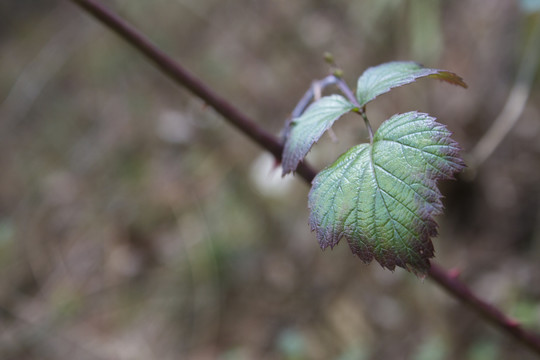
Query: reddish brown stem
point(489, 312)
point(269, 142)
point(184, 78)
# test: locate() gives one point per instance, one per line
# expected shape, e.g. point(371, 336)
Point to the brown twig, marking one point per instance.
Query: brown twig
point(489, 312)
point(184, 78)
point(267, 141)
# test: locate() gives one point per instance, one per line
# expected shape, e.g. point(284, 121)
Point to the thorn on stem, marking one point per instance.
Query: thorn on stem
point(454, 273)
point(513, 323)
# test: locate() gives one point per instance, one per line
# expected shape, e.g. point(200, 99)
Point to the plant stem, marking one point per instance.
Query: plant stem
point(489, 312)
point(185, 79)
point(368, 125)
point(319, 85)
point(267, 141)
point(346, 90)
point(311, 94)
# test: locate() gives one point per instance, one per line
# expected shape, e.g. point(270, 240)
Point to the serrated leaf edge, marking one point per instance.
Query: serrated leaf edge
point(424, 245)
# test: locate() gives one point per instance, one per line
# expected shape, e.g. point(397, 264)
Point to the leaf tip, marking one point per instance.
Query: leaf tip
point(450, 78)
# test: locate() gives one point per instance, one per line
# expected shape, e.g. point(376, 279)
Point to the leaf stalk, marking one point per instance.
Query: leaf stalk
point(346, 90)
point(368, 125)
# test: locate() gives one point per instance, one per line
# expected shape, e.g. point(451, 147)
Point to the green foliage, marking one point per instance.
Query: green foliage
point(380, 79)
point(310, 126)
point(380, 196)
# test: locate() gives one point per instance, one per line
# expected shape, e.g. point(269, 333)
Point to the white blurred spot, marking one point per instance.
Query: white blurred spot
point(175, 127)
point(266, 177)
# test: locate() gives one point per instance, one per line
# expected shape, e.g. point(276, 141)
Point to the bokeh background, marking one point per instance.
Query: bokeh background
point(136, 224)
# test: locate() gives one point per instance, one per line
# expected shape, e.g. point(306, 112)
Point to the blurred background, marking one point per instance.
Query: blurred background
point(136, 224)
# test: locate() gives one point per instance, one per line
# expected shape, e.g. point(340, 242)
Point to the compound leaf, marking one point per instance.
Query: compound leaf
point(380, 79)
point(382, 197)
point(310, 126)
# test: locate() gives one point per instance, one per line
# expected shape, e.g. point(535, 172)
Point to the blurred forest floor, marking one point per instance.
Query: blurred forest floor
point(136, 224)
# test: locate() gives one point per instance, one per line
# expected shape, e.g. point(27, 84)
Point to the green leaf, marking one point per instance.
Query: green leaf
point(382, 197)
point(310, 126)
point(380, 79)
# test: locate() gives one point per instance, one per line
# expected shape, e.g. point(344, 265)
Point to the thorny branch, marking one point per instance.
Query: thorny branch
point(447, 280)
